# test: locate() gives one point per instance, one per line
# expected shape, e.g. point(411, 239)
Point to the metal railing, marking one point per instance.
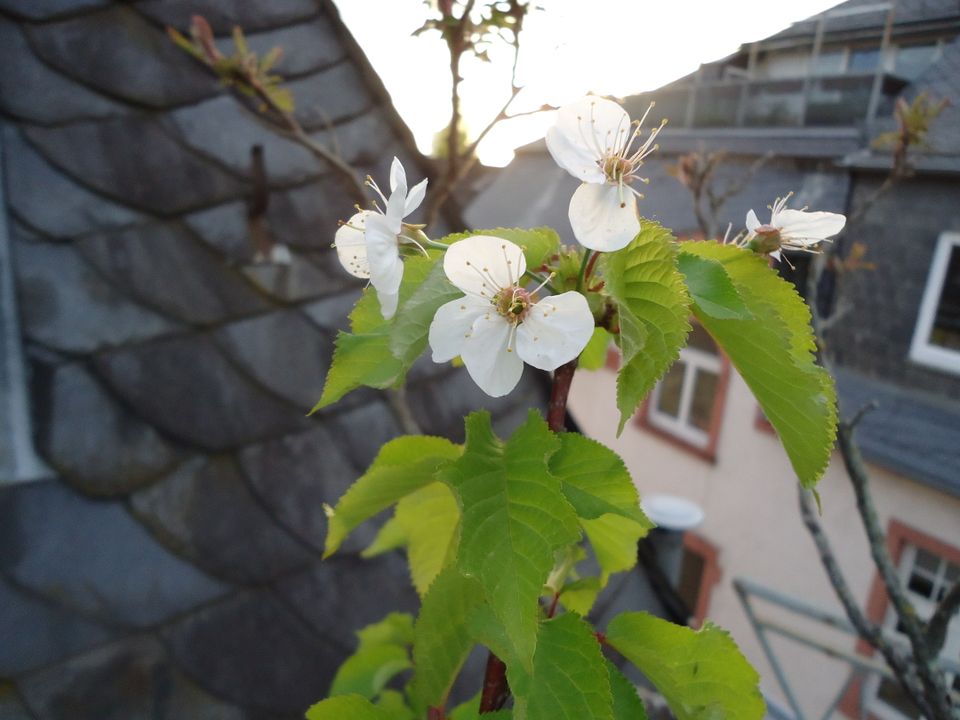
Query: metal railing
point(862, 666)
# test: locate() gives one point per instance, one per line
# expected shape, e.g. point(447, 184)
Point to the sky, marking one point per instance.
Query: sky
point(568, 48)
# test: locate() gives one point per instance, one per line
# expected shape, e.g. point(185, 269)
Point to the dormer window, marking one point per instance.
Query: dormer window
point(936, 338)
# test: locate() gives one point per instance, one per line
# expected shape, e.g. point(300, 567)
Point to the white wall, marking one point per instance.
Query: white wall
point(750, 500)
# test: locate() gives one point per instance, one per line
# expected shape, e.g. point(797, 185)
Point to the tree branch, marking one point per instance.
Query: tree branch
point(937, 626)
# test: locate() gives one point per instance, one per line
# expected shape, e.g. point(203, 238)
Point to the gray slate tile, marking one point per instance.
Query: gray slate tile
point(295, 475)
point(186, 388)
point(224, 228)
point(251, 15)
point(306, 217)
point(331, 313)
point(362, 431)
point(205, 510)
point(38, 632)
point(344, 593)
point(10, 706)
point(130, 680)
point(169, 269)
point(330, 96)
point(31, 91)
point(119, 53)
point(67, 306)
point(300, 279)
point(97, 444)
point(32, 182)
point(93, 557)
point(307, 46)
point(132, 159)
point(283, 351)
point(45, 9)
point(201, 127)
point(252, 650)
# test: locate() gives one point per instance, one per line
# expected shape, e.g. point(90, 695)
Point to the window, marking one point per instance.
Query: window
point(699, 574)
point(863, 60)
point(927, 576)
point(912, 60)
point(686, 404)
point(936, 339)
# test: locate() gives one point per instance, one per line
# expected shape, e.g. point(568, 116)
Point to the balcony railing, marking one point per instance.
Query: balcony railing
point(830, 101)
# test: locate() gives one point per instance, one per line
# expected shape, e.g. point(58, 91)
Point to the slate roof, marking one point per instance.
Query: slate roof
point(912, 433)
point(171, 568)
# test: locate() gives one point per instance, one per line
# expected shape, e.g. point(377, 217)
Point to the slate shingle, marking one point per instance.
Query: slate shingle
point(31, 91)
point(187, 388)
point(295, 475)
point(251, 15)
point(37, 632)
point(76, 211)
point(92, 557)
point(171, 271)
point(254, 651)
point(129, 680)
point(283, 351)
point(132, 160)
point(78, 48)
point(97, 444)
point(206, 512)
point(46, 9)
point(300, 279)
point(66, 305)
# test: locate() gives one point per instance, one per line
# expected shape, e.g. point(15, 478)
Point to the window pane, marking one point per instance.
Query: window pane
point(864, 60)
point(914, 59)
point(701, 340)
point(704, 393)
point(670, 388)
point(921, 585)
point(946, 323)
point(828, 62)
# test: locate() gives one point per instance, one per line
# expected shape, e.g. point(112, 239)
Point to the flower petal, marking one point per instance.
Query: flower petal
point(388, 303)
point(482, 265)
point(398, 176)
point(452, 324)
point(415, 197)
point(352, 246)
point(574, 157)
point(604, 217)
point(383, 255)
point(753, 222)
point(595, 126)
point(494, 366)
point(808, 228)
point(555, 331)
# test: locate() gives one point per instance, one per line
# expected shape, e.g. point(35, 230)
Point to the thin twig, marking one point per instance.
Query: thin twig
point(937, 626)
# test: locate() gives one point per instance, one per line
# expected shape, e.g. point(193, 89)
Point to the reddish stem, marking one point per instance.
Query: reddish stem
point(557, 409)
point(553, 605)
point(495, 688)
point(435, 714)
point(589, 272)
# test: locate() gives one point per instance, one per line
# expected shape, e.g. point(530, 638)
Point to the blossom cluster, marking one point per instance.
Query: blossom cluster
point(502, 322)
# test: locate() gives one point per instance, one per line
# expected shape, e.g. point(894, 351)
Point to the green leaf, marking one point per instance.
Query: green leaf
point(595, 479)
point(711, 289)
point(773, 352)
point(347, 706)
point(364, 357)
point(381, 655)
point(442, 638)
point(390, 537)
point(408, 334)
point(627, 705)
point(702, 674)
point(650, 293)
point(430, 520)
point(614, 539)
point(487, 629)
point(538, 243)
point(580, 595)
point(570, 680)
point(594, 355)
point(514, 518)
point(403, 465)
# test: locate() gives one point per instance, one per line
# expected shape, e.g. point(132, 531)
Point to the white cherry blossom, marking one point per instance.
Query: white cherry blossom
point(594, 140)
point(790, 229)
point(498, 324)
point(368, 244)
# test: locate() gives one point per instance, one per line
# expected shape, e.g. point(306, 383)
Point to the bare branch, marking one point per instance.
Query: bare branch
point(937, 626)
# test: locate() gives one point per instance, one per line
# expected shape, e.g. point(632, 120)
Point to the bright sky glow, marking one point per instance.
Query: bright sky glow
point(609, 47)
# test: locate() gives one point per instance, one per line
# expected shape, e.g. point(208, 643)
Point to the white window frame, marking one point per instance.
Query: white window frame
point(925, 607)
point(922, 351)
point(694, 360)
